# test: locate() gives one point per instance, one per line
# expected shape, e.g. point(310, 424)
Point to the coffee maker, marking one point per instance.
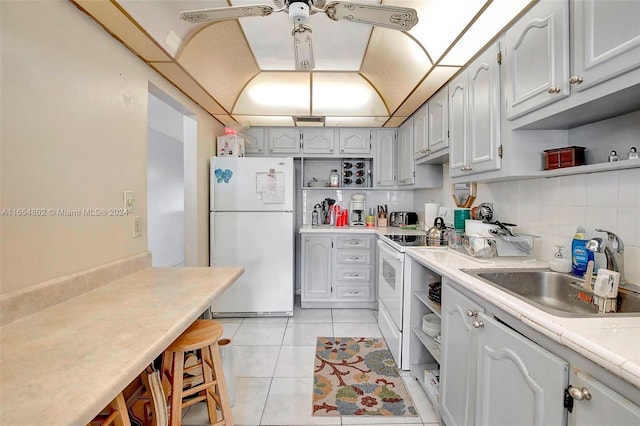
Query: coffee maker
point(357, 209)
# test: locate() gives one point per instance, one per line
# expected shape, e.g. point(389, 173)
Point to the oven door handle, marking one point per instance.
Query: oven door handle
point(384, 247)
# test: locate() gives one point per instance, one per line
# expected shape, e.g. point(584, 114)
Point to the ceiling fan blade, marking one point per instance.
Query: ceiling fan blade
point(396, 18)
point(225, 13)
point(303, 47)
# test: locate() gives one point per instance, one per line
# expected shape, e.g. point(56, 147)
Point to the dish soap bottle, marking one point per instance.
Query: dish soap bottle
point(580, 256)
point(559, 263)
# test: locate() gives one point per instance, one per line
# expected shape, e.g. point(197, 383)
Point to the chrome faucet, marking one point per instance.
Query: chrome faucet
point(613, 250)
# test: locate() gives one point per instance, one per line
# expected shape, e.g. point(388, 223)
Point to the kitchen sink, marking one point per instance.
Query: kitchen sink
point(554, 292)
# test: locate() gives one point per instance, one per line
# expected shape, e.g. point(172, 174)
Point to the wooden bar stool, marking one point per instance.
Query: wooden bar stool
point(116, 414)
point(201, 336)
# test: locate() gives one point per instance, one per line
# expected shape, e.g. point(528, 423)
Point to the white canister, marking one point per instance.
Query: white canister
point(430, 214)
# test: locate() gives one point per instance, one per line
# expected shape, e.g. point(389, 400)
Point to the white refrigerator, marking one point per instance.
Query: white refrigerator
point(252, 225)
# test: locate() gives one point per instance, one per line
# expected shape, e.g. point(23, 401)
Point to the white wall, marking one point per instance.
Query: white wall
point(165, 184)
point(552, 208)
point(73, 136)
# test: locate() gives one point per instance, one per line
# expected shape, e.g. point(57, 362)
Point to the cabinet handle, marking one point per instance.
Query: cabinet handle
point(576, 79)
point(259, 149)
point(554, 89)
point(477, 324)
point(270, 149)
point(579, 394)
point(471, 313)
point(342, 150)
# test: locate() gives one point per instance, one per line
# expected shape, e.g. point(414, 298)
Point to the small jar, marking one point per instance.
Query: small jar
point(633, 153)
point(334, 178)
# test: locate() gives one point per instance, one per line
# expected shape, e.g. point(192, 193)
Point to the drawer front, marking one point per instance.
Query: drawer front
point(354, 242)
point(354, 275)
point(353, 257)
point(353, 292)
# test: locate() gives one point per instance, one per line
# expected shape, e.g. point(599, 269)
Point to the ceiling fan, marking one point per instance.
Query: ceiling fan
point(393, 17)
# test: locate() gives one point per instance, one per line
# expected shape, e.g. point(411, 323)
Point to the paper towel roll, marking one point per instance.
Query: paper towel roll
point(430, 214)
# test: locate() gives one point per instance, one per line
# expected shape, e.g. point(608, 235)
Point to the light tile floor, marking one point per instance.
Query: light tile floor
point(273, 365)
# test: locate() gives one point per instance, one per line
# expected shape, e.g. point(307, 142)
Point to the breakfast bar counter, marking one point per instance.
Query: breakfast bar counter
point(64, 364)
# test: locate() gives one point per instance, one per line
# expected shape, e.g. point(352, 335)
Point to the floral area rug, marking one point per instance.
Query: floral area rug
point(358, 377)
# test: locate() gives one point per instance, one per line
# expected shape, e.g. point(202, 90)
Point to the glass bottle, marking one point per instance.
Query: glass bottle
point(334, 178)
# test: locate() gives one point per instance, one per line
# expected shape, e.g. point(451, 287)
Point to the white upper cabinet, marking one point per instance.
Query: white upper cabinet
point(254, 140)
point(384, 167)
point(536, 58)
point(318, 141)
point(458, 119)
point(284, 140)
point(421, 132)
point(438, 123)
point(355, 141)
point(406, 162)
point(474, 116)
point(605, 40)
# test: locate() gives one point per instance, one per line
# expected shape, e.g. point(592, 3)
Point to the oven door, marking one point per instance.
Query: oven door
point(390, 281)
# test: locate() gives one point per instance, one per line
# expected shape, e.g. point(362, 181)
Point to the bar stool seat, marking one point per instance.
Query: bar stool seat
point(202, 336)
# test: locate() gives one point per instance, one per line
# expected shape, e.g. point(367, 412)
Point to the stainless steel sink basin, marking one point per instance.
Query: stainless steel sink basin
point(553, 292)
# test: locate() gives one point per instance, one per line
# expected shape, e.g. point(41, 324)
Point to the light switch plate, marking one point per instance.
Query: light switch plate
point(128, 201)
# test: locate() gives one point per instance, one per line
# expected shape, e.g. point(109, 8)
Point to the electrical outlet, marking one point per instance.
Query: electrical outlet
point(128, 201)
point(137, 227)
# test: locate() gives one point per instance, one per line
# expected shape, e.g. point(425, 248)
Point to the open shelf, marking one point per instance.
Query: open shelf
point(423, 297)
point(417, 371)
point(589, 168)
point(429, 343)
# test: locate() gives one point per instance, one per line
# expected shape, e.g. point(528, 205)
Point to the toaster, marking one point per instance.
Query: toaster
point(403, 218)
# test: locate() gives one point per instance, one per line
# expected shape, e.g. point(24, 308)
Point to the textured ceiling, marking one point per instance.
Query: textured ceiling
point(242, 71)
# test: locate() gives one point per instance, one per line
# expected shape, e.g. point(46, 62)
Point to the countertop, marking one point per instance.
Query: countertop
point(387, 230)
point(610, 341)
point(64, 364)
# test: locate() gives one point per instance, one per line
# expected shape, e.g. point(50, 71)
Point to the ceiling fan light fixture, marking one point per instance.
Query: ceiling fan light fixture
point(303, 47)
point(298, 12)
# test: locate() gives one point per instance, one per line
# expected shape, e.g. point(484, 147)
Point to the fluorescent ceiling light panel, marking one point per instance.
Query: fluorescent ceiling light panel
point(276, 93)
point(345, 94)
point(490, 23)
point(264, 120)
point(440, 22)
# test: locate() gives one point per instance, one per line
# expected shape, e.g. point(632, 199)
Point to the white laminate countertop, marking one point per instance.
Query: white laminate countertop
point(64, 364)
point(610, 341)
point(387, 230)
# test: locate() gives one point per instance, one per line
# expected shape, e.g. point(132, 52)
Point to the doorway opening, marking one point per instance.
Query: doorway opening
point(171, 151)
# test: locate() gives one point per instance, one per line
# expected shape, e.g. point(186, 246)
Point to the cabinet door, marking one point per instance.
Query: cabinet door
point(605, 40)
point(420, 133)
point(384, 170)
point(316, 266)
point(518, 382)
point(537, 58)
point(355, 141)
point(606, 406)
point(457, 371)
point(458, 119)
point(318, 141)
point(483, 137)
point(406, 164)
point(438, 123)
point(254, 141)
point(284, 140)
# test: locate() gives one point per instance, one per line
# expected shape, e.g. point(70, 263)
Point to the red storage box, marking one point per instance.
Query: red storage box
point(564, 157)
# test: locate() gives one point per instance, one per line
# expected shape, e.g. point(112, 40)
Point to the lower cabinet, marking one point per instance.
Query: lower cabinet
point(595, 404)
point(492, 375)
point(338, 271)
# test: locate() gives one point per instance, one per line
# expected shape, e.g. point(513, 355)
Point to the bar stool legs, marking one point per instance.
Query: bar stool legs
point(202, 336)
point(118, 414)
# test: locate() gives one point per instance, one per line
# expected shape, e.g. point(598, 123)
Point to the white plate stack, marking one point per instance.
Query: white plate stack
point(431, 324)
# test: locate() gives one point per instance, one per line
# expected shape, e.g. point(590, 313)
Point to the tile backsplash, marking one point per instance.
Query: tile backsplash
point(552, 209)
